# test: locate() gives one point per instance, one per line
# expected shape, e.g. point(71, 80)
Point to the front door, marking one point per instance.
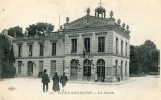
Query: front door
point(73, 73)
point(100, 70)
point(53, 67)
point(87, 73)
point(100, 73)
point(19, 67)
point(87, 70)
point(30, 69)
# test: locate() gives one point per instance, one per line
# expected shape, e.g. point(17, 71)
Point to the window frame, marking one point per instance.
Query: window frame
point(117, 42)
point(53, 52)
point(101, 44)
point(30, 50)
point(87, 44)
point(74, 45)
point(41, 50)
point(19, 50)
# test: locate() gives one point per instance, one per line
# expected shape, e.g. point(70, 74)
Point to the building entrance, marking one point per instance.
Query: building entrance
point(30, 68)
point(87, 70)
point(100, 70)
point(73, 70)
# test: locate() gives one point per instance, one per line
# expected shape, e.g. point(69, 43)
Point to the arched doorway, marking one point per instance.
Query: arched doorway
point(100, 70)
point(30, 68)
point(74, 69)
point(87, 69)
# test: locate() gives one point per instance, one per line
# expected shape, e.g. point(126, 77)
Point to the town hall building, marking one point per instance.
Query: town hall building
point(87, 49)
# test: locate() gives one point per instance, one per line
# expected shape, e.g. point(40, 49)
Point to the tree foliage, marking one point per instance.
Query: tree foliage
point(6, 57)
point(144, 58)
point(39, 28)
point(15, 31)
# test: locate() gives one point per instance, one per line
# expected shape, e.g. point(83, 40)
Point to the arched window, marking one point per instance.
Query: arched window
point(87, 67)
point(101, 62)
point(101, 70)
point(74, 69)
point(73, 62)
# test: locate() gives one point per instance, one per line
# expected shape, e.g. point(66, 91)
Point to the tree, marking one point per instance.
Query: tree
point(15, 31)
point(143, 58)
point(156, 58)
point(133, 60)
point(39, 28)
point(6, 57)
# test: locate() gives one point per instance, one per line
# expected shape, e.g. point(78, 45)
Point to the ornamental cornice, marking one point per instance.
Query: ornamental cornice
point(87, 34)
point(101, 33)
point(73, 35)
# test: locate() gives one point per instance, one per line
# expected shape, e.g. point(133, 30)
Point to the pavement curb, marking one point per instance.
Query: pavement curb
point(101, 83)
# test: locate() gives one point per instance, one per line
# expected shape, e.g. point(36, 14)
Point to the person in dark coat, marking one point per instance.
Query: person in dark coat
point(56, 82)
point(63, 80)
point(45, 80)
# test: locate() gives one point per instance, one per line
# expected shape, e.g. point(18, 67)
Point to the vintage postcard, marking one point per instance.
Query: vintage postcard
point(80, 49)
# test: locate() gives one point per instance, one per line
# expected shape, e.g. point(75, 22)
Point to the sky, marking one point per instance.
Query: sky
point(142, 16)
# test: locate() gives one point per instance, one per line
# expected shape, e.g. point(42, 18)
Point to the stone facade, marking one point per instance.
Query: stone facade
point(90, 48)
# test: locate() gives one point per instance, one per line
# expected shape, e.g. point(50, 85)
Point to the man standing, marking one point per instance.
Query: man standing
point(45, 80)
point(63, 80)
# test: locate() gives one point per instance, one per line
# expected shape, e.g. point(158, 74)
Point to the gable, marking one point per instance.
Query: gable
point(87, 21)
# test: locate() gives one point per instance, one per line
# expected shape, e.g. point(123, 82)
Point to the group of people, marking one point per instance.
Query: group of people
point(45, 80)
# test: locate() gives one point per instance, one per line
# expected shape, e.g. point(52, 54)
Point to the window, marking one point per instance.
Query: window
point(41, 50)
point(74, 45)
point(116, 45)
point(101, 68)
point(53, 48)
point(121, 47)
point(87, 68)
point(101, 44)
point(19, 67)
point(87, 44)
point(19, 51)
point(126, 49)
point(30, 50)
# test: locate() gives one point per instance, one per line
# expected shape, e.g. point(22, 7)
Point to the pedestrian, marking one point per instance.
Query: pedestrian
point(63, 80)
point(45, 80)
point(56, 82)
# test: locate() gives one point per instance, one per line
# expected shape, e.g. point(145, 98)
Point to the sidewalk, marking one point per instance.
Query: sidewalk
point(103, 83)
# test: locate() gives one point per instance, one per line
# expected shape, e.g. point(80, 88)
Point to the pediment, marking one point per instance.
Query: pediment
point(86, 22)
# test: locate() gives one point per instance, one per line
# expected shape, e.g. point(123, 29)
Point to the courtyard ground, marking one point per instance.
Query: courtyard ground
point(136, 88)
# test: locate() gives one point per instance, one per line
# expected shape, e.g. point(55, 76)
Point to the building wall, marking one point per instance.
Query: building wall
point(109, 56)
point(35, 58)
point(121, 38)
point(93, 42)
point(64, 56)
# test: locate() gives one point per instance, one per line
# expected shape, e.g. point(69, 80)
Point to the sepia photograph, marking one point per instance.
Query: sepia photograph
point(80, 49)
